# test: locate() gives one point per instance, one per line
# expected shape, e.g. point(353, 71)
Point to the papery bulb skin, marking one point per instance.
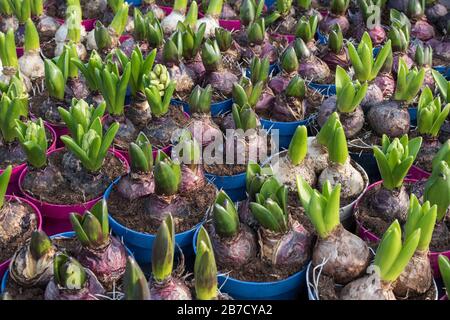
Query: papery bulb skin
point(390, 204)
point(440, 48)
point(377, 34)
point(221, 81)
point(347, 256)
point(314, 69)
point(108, 263)
point(288, 109)
point(386, 83)
point(32, 65)
point(182, 77)
point(351, 180)
point(47, 27)
point(235, 251)
point(333, 60)
point(369, 287)
point(417, 278)
point(279, 83)
point(170, 289)
point(317, 155)
point(134, 186)
point(374, 96)
point(389, 118)
point(401, 55)
point(192, 179)
point(159, 207)
point(290, 249)
point(91, 291)
point(287, 172)
point(352, 122)
point(329, 21)
point(423, 30)
point(265, 102)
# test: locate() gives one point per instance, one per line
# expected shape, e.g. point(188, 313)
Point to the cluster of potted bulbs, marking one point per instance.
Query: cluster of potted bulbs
point(108, 108)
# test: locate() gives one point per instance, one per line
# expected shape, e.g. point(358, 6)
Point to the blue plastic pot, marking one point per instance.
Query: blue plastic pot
point(69, 234)
point(141, 244)
point(234, 186)
point(269, 3)
point(324, 89)
point(136, 3)
point(285, 129)
point(286, 289)
point(413, 116)
point(444, 70)
point(369, 164)
point(217, 108)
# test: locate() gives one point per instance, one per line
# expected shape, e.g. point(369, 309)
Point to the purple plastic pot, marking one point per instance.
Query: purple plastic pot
point(444, 298)
point(5, 264)
point(89, 24)
point(168, 10)
point(57, 215)
point(13, 186)
point(230, 24)
point(370, 237)
point(417, 173)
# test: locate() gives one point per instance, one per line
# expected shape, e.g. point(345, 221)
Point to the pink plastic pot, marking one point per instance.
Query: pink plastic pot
point(5, 264)
point(417, 173)
point(168, 10)
point(370, 237)
point(88, 24)
point(13, 186)
point(230, 24)
point(57, 215)
point(444, 298)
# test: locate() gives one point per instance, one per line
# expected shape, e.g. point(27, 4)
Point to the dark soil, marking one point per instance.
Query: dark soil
point(17, 292)
point(45, 107)
point(159, 132)
point(258, 271)
point(17, 218)
point(225, 169)
point(48, 48)
point(12, 154)
point(71, 184)
point(132, 214)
